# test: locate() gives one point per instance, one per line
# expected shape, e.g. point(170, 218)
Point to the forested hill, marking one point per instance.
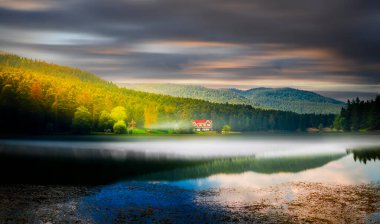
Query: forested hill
point(192, 91)
point(26, 65)
point(285, 99)
point(288, 99)
point(37, 97)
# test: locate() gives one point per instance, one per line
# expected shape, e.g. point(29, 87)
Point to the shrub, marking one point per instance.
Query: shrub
point(226, 129)
point(120, 127)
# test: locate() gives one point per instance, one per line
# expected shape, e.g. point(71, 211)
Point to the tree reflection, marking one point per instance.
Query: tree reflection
point(365, 154)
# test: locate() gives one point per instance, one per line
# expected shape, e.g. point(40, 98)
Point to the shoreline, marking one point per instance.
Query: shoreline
point(293, 202)
point(113, 137)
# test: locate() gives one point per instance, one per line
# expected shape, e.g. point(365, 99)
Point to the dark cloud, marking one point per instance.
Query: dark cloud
point(117, 34)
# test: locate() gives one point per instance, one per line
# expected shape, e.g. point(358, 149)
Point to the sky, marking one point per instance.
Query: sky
point(328, 46)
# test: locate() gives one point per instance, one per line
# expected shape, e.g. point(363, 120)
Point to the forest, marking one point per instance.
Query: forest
point(289, 99)
point(40, 98)
point(359, 115)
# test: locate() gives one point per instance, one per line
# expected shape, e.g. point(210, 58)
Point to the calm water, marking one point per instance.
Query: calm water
point(168, 177)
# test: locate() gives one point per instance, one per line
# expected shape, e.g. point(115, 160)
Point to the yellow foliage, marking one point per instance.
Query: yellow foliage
point(118, 114)
point(150, 115)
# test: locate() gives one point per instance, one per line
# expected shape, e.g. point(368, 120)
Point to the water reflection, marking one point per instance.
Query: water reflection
point(208, 191)
point(83, 162)
point(31, 164)
point(243, 164)
point(364, 155)
point(337, 168)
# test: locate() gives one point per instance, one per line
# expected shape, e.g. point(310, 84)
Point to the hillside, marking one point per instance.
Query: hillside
point(38, 97)
point(192, 91)
point(43, 68)
point(285, 99)
point(289, 99)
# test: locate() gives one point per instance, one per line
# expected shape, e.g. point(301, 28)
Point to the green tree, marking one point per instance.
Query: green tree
point(226, 129)
point(338, 122)
point(105, 120)
point(320, 127)
point(82, 121)
point(118, 114)
point(120, 127)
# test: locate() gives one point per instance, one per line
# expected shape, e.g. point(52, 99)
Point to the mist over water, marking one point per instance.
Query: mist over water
point(194, 147)
point(97, 160)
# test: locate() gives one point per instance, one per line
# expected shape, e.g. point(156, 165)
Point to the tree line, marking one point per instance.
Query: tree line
point(38, 97)
point(359, 115)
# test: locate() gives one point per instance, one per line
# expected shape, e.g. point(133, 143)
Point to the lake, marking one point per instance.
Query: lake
point(278, 178)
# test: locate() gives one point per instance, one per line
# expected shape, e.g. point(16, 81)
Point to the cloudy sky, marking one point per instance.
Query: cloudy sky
point(323, 45)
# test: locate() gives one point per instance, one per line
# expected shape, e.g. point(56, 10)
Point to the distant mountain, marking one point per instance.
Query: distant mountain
point(192, 91)
point(289, 99)
point(286, 99)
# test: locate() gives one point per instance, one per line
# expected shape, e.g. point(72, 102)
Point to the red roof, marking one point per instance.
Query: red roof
point(201, 121)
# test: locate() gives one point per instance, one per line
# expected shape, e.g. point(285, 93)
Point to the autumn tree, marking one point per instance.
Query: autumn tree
point(119, 114)
point(150, 114)
point(36, 91)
